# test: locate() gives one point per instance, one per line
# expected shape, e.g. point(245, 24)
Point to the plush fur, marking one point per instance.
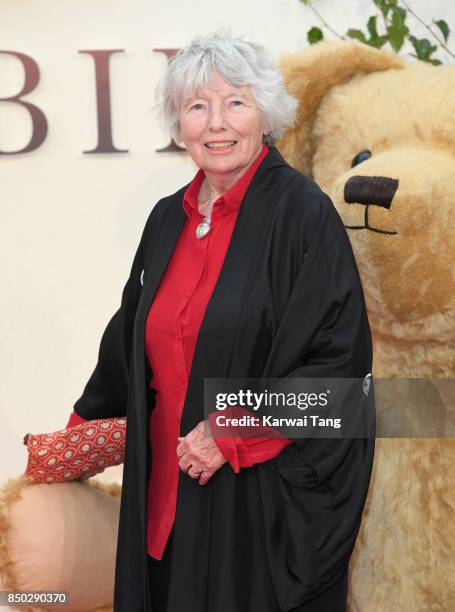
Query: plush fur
point(11, 495)
point(355, 98)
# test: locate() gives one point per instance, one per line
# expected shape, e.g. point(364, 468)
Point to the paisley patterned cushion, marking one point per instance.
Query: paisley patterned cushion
point(83, 450)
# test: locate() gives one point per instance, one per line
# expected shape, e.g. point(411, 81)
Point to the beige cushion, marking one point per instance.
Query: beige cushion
point(60, 537)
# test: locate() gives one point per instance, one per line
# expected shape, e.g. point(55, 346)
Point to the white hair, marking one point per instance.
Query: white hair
point(237, 62)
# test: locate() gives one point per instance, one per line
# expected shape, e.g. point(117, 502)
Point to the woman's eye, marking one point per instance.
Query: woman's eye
point(196, 106)
point(236, 102)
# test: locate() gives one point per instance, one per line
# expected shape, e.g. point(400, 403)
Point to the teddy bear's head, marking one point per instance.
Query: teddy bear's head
point(378, 136)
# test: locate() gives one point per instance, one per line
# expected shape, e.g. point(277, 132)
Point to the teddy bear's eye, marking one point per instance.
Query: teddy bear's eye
point(360, 157)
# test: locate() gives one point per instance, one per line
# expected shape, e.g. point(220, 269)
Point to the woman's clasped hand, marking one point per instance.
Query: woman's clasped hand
point(199, 455)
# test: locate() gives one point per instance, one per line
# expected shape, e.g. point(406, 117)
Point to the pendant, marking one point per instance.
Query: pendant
point(202, 229)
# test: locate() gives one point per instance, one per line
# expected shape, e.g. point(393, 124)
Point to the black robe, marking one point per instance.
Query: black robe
point(288, 302)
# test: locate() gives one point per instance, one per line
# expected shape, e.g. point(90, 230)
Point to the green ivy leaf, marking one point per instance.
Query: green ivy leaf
point(392, 2)
point(423, 48)
point(378, 42)
point(304, 1)
point(434, 61)
point(398, 17)
point(357, 34)
point(314, 35)
point(426, 47)
point(371, 27)
point(445, 30)
point(396, 36)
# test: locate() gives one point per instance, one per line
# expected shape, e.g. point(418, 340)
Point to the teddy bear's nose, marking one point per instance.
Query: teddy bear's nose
point(374, 190)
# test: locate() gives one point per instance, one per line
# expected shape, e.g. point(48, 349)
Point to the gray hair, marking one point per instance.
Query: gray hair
point(237, 62)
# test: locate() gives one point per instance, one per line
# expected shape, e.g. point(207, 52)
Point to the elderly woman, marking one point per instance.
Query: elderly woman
point(246, 272)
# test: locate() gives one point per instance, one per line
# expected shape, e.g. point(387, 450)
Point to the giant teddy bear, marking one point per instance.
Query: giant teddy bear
point(378, 135)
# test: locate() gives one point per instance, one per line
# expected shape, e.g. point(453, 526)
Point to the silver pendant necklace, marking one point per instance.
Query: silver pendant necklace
point(206, 225)
point(203, 228)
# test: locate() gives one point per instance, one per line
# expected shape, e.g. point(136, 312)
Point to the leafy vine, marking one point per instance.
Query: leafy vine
point(393, 29)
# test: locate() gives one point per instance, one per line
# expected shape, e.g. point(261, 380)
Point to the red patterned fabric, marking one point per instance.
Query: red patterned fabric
point(82, 450)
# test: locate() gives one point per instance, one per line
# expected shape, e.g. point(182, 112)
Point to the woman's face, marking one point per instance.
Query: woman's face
point(222, 129)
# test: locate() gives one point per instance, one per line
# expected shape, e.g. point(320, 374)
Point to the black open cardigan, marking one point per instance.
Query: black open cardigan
point(288, 302)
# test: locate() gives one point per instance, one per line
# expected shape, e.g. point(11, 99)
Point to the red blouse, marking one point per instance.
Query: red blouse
point(171, 332)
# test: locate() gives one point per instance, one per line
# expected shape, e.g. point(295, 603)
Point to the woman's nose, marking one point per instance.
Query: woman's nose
point(216, 118)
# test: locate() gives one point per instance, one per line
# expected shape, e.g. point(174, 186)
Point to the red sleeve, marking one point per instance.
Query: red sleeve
point(74, 420)
point(241, 451)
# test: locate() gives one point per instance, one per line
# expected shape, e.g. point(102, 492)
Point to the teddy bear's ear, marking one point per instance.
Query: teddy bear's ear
point(310, 74)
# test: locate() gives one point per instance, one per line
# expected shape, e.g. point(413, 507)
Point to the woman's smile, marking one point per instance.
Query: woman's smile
point(221, 146)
